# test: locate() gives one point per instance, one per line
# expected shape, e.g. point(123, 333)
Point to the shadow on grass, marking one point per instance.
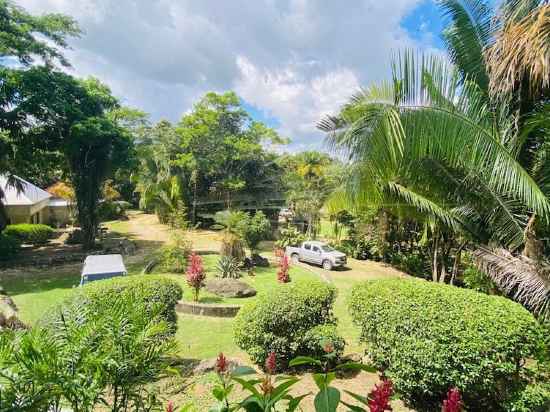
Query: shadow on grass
point(14, 285)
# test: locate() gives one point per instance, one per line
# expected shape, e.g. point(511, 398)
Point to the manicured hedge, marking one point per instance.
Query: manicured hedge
point(157, 292)
point(35, 234)
point(9, 246)
point(429, 337)
point(292, 319)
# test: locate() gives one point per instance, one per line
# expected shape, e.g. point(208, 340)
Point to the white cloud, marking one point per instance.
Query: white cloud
point(294, 59)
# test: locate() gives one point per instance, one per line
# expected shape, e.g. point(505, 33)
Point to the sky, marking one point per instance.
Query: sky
point(292, 62)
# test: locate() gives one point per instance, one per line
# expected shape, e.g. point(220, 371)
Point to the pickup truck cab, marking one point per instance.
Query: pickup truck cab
point(318, 253)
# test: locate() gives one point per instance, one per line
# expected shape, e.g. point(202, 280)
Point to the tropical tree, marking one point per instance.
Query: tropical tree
point(24, 38)
point(509, 47)
point(427, 145)
point(158, 178)
point(310, 177)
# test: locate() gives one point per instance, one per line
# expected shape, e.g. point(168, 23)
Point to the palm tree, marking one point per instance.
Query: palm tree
point(429, 145)
point(158, 180)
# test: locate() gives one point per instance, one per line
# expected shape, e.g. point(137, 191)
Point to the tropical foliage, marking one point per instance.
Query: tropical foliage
point(439, 146)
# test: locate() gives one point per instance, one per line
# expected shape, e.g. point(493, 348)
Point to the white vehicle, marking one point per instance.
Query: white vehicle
point(318, 253)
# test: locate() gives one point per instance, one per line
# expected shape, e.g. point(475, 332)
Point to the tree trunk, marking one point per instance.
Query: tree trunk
point(383, 233)
point(3, 217)
point(533, 248)
point(456, 264)
point(435, 259)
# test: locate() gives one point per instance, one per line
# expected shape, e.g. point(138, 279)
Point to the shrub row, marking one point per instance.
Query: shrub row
point(430, 337)
point(35, 234)
point(294, 319)
point(9, 246)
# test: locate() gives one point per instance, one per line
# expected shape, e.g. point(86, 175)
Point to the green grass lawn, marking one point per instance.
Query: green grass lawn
point(199, 337)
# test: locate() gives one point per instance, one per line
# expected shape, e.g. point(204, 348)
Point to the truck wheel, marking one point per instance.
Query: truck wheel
point(295, 258)
point(327, 264)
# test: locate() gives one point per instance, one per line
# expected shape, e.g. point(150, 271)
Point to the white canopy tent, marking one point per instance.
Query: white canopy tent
point(98, 267)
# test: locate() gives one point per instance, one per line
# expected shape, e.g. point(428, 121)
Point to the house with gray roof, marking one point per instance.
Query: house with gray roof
point(27, 203)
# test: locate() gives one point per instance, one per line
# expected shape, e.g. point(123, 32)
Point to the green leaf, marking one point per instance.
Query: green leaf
point(249, 385)
point(219, 393)
point(319, 379)
point(304, 360)
point(294, 402)
point(243, 371)
point(327, 400)
point(354, 408)
point(282, 389)
point(363, 399)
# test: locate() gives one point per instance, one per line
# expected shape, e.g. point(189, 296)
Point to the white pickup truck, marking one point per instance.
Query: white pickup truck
point(318, 253)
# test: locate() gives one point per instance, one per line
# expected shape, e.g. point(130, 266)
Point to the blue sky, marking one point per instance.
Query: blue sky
point(292, 62)
point(424, 24)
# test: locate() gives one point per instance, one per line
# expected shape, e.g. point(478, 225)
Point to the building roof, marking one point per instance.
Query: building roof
point(58, 202)
point(29, 194)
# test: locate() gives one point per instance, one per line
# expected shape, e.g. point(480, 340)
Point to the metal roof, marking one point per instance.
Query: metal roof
point(29, 194)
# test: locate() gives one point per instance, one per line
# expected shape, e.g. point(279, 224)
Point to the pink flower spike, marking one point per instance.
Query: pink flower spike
point(271, 363)
point(380, 396)
point(453, 403)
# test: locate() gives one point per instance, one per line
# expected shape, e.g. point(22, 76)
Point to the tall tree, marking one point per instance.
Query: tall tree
point(23, 38)
point(310, 177)
point(428, 143)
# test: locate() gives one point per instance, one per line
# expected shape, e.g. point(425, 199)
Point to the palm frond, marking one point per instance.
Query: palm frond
point(521, 54)
point(523, 279)
point(470, 32)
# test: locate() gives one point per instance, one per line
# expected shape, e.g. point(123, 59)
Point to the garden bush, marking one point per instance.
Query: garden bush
point(112, 209)
point(35, 234)
point(157, 292)
point(173, 257)
point(228, 267)
point(289, 237)
point(429, 337)
point(9, 246)
point(88, 358)
point(287, 321)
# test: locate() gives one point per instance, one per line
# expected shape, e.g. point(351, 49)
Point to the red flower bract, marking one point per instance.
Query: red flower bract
point(379, 398)
point(195, 274)
point(453, 403)
point(271, 363)
point(221, 363)
point(284, 267)
point(170, 407)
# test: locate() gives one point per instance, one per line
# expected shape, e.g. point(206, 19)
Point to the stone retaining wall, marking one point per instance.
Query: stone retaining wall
point(206, 309)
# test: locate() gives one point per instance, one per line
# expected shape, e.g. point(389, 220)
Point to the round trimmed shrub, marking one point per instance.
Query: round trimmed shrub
point(35, 234)
point(158, 293)
point(290, 320)
point(429, 337)
point(9, 246)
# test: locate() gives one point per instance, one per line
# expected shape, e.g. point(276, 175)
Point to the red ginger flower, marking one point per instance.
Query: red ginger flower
point(379, 398)
point(453, 403)
point(284, 267)
point(170, 407)
point(195, 274)
point(271, 363)
point(221, 363)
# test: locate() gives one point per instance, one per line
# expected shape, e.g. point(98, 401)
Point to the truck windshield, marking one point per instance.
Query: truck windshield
point(327, 249)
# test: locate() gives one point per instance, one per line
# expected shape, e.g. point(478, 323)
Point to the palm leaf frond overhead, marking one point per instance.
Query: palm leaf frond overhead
point(525, 280)
point(521, 55)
